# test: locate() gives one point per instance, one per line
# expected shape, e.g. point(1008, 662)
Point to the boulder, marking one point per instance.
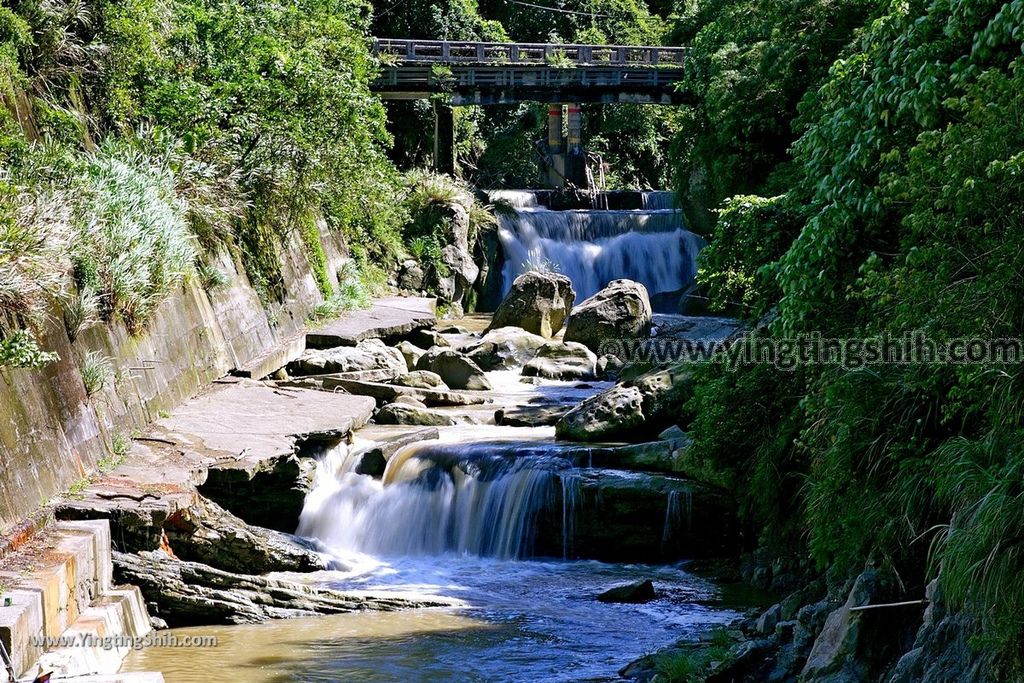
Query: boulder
point(403, 414)
point(622, 310)
point(207, 533)
point(385, 393)
point(420, 379)
point(614, 414)
point(538, 303)
point(609, 367)
point(854, 645)
point(505, 348)
point(664, 393)
point(427, 339)
point(461, 264)
point(410, 352)
point(634, 593)
point(562, 361)
point(529, 415)
point(374, 459)
point(457, 371)
point(411, 276)
point(370, 354)
point(409, 400)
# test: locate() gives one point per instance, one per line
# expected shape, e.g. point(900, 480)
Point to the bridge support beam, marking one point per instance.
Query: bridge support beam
point(556, 147)
point(444, 138)
point(575, 160)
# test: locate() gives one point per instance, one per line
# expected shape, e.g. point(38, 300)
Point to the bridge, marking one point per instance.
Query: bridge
point(476, 73)
point(462, 73)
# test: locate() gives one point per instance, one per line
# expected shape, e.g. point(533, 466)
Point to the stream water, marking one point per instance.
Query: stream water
point(593, 247)
point(456, 518)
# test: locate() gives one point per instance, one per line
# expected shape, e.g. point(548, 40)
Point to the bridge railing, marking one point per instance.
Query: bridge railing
point(449, 51)
point(422, 78)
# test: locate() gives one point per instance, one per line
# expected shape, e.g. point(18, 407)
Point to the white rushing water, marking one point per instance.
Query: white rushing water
point(478, 499)
point(592, 247)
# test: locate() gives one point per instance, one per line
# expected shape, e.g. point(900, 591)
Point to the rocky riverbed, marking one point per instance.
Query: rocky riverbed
point(411, 452)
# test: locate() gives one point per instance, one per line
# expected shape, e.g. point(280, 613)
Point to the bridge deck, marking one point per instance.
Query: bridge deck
point(507, 73)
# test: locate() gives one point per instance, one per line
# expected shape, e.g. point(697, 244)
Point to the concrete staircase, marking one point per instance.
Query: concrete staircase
point(60, 612)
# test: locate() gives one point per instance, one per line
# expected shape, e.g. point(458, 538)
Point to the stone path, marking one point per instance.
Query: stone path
point(389, 317)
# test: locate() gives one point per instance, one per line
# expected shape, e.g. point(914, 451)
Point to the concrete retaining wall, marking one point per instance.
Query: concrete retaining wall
point(52, 434)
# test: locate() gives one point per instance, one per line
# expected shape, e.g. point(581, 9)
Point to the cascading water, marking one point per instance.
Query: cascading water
point(478, 499)
point(592, 248)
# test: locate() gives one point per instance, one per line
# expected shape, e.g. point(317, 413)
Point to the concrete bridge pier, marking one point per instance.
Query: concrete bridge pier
point(444, 138)
point(556, 147)
point(575, 159)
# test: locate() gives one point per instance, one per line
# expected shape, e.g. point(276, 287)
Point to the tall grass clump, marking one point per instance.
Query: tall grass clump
point(134, 246)
point(355, 291)
point(34, 230)
point(96, 371)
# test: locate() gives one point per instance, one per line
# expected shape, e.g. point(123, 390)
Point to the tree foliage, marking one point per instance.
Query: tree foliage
point(906, 180)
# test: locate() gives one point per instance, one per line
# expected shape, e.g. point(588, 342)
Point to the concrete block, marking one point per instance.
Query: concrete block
point(102, 559)
point(101, 638)
point(79, 547)
point(21, 627)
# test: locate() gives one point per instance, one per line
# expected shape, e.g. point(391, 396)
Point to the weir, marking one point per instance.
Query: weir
point(510, 500)
point(593, 247)
point(477, 499)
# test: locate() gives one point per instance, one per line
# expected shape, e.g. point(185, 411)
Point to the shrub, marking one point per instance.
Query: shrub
point(134, 246)
point(96, 370)
point(21, 350)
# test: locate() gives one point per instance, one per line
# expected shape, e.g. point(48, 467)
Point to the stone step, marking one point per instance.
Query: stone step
point(64, 613)
point(104, 634)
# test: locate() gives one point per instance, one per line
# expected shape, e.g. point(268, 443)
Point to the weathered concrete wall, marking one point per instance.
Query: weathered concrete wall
point(52, 434)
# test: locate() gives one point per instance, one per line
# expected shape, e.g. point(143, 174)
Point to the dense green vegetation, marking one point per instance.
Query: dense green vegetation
point(890, 136)
point(139, 139)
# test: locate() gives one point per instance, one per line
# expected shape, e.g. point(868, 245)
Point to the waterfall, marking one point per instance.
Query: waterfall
point(478, 499)
point(593, 247)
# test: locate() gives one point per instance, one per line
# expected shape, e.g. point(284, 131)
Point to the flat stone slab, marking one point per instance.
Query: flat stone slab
point(386, 393)
point(275, 359)
point(255, 421)
point(389, 317)
point(239, 424)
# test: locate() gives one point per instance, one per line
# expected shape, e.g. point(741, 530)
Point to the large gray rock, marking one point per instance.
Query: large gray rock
point(373, 461)
point(410, 352)
point(193, 594)
point(505, 348)
point(371, 354)
point(538, 303)
point(664, 391)
point(205, 532)
point(460, 263)
point(411, 276)
point(385, 393)
point(631, 593)
point(404, 414)
point(611, 415)
point(457, 371)
point(270, 493)
point(852, 644)
point(421, 379)
point(622, 310)
point(562, 361)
